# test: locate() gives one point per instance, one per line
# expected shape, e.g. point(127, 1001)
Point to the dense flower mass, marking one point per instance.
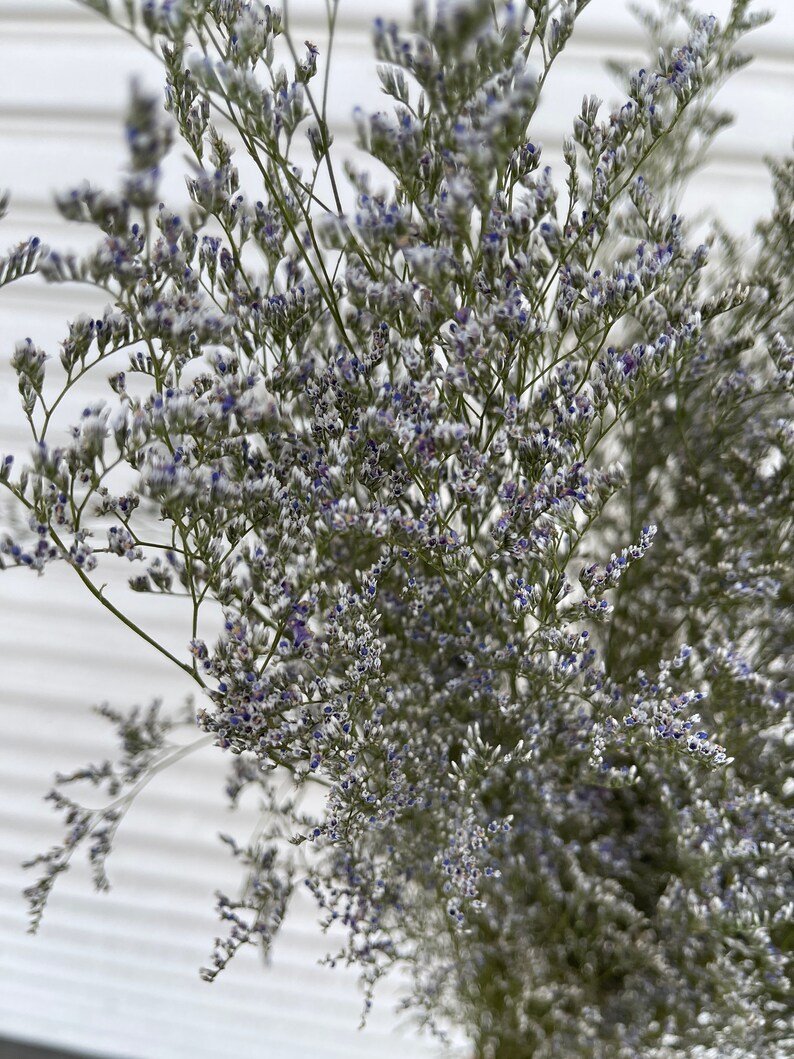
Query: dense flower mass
point(479, 496)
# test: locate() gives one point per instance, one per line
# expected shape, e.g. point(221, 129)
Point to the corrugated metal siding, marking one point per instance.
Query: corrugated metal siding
point(116, 974)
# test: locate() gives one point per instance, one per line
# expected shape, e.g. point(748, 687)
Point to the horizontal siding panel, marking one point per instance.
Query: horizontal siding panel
point(111, 919)
point(101, 953)
point(91, 77)
point(81, 93)
point(758, 96)
point(117, 1025)
point(305, 14)
point(116, 653)
point(603, 20)
point(103, 950)
point(82, 961)
point(82, 100)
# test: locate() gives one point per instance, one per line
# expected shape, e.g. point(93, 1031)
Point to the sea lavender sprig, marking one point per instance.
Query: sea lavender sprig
point(374, 451)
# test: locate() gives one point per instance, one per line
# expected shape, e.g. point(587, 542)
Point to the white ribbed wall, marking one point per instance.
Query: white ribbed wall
point(116, 974)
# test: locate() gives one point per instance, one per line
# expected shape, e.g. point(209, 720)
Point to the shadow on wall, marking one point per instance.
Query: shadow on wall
point(21, 1050)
